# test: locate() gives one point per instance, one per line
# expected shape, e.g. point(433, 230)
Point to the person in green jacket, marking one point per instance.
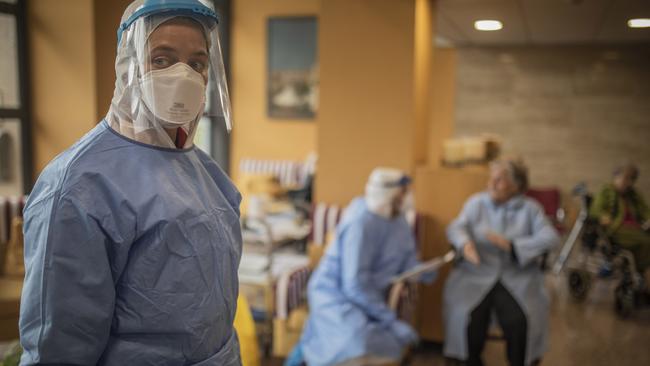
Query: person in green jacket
point(626, 217)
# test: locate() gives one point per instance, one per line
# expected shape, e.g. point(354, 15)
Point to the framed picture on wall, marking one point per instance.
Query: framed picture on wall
point(293, 76)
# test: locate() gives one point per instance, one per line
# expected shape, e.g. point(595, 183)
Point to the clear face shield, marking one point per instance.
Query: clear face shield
point(388, 193)
point(170, 74)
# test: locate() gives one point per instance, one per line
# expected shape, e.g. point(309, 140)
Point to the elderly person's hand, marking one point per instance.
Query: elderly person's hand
point(470, 253)
point(646, 225)
point(499, 241)
point(605, 220)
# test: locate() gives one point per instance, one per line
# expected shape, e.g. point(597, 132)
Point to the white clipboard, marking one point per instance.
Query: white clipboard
point(428, 266)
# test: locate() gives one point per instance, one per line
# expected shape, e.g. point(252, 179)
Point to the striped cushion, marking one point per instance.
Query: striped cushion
point(325, 217)
point(289, 173)
point(291, 291)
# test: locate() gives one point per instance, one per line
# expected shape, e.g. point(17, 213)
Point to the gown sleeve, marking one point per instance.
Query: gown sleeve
point(543, 237)
point(68, 294)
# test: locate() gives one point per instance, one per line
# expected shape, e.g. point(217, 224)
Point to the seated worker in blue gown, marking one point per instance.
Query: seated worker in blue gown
point(349, 318)
point(132, 235)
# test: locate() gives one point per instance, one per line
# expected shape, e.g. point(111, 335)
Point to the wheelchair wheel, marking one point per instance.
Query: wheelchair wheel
point(579, 282)
point(624, 300)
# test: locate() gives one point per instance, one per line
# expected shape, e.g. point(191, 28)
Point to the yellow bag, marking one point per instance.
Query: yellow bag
point(245, 327)
point(287, 332)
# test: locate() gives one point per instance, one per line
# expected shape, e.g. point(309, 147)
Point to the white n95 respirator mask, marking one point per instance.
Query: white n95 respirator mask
point(175, 95)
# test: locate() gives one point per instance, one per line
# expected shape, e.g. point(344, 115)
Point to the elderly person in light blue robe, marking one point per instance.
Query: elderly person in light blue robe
point(501, 234)
point(349, 319)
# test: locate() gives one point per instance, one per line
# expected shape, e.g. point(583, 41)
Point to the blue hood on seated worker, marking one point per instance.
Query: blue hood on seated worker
point(349, 317)
point(132, 235)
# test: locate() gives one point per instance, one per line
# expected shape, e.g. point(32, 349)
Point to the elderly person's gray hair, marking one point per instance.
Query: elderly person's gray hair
point(517, 170)
point(627, 167)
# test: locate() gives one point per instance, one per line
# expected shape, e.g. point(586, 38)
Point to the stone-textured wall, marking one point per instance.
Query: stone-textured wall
point(573, 113)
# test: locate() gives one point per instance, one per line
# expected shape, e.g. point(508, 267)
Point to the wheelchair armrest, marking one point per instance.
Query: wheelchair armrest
point(394, 295)
point(402, 298)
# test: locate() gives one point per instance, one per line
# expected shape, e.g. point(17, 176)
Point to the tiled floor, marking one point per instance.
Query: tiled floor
point(581, 334)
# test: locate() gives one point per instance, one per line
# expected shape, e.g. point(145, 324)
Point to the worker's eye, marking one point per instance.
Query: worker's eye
point(161, 62)
point(198, 66)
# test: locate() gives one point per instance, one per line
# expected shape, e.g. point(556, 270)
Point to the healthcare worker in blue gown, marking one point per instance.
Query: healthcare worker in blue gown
point(348, 316)
point(132, 236)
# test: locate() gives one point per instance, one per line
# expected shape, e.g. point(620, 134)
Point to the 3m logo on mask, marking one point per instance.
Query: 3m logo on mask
point(178, 111)
point(175, 95)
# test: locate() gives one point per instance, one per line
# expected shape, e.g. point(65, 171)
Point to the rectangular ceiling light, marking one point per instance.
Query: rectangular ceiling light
point(639, 23)
point(488, 25)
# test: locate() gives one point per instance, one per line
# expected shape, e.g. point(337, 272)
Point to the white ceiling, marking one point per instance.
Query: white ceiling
point(530, 22)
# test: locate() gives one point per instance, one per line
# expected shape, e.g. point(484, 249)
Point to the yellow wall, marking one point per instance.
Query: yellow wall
point(367, 108)
point(62, 71)
point(255, 135)
point(442, 102)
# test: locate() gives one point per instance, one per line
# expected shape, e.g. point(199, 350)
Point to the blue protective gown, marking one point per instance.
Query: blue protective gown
point(131, 255)
point(348, 315)
point(521, 220)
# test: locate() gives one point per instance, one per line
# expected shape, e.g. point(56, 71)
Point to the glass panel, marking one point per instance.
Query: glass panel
point(203, 137)
point(9, 97)
point(11, 177)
